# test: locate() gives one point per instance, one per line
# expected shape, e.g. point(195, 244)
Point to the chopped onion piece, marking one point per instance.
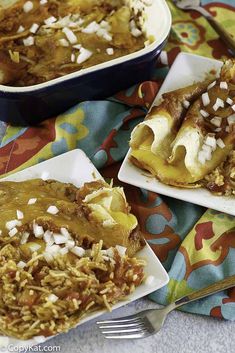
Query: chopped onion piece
point(218, 104)
point(43, 2)
point(65, 232)
point(0, 232)
point(13, 232)
point(21, 264)
point(211, 85)
point(110, 51)
point(12, 224)
point(220, 143)
point(73, 57)
point(70, 35)
point(28, 41)
point(109, 252)
point(78, 251)
point(93, 27)
point(202, 157)
point(32, 201)
point(52, 210)
point(77, 46)
point(53, 249)
point(223, 85)
point(19, 214)
point(20, 29)
point(34, 247)
point(28, 6)
point(63, 42)
point(64, 251)
point(136, 32)
point(60, 239)
point(231, 119)
point(24, 238)
point(84, 55)
point(229, 101)
point(217, 121)
point(70, 244)
point(204, 113)
point(233, 107)
point(107, 37)
point(207, 148)
point(186, 104)
point(50, 20)
point(121, 250)
point(52, 298)
point(34, 28)
point(48, 238)
point(227, 129)
point(205, 99)
point(38, 230)
point(218, 129)
point(211, 141)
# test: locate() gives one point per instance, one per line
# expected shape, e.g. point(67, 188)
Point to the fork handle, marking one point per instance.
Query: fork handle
point(224, 35)
point(204, 292)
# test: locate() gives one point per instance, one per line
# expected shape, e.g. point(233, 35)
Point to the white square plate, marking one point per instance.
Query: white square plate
point(187, 68)
point(74, 167)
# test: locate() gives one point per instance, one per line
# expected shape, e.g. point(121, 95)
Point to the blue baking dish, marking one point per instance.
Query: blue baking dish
point(32, 104)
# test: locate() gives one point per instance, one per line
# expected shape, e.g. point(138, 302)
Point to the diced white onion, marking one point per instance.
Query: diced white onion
point(212, 84)
point(107, 37)
point(60, 239)
point(78, 251)
point(204, 113)
point(186, 104)
point(121, 250)
point(229, 101)
point(52, 210)
point(43, 2)
point(207, 148)
point(110, 51)
point(233, 107)
point(21, 264)
point(28, 41)
point(52, 298)
point(53, 249)
point(50, 20)
point(93, 27)
point(220, 143)
point(227, 129)
point(20, 29)
point(231, 119)
point(218, 104)
point(13, 232)
point(70, 244)
point(217, 121)
point(34, 28)
point(34, 247)
point(48, 238)
point(211, 141)
point(0, 232)
point(19, 214)
point(223, 85)
point(12, 224)
point(136, 32)
point(24, 238)
point(202, 157)
point(218, 129)
point(70, 35)
point(205, 99)
point(84, 55)
point(28, 6)
point(73, 57)
point(63, 42)
point(64, 231)
point(32, 201)
point(38, 230)
point(64, 251)
point(77, 46)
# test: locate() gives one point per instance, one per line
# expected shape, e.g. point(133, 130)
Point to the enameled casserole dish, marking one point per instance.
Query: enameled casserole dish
point(32, 104)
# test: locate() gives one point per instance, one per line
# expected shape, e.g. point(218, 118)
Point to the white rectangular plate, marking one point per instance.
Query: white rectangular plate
point(74, 167)
point(187, 68)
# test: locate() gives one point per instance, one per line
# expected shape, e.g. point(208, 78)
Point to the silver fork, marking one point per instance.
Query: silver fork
point(195, 5)
point(149, 322)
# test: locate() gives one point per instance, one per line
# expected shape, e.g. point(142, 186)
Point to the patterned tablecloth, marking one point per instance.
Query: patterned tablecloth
point(196, 246)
